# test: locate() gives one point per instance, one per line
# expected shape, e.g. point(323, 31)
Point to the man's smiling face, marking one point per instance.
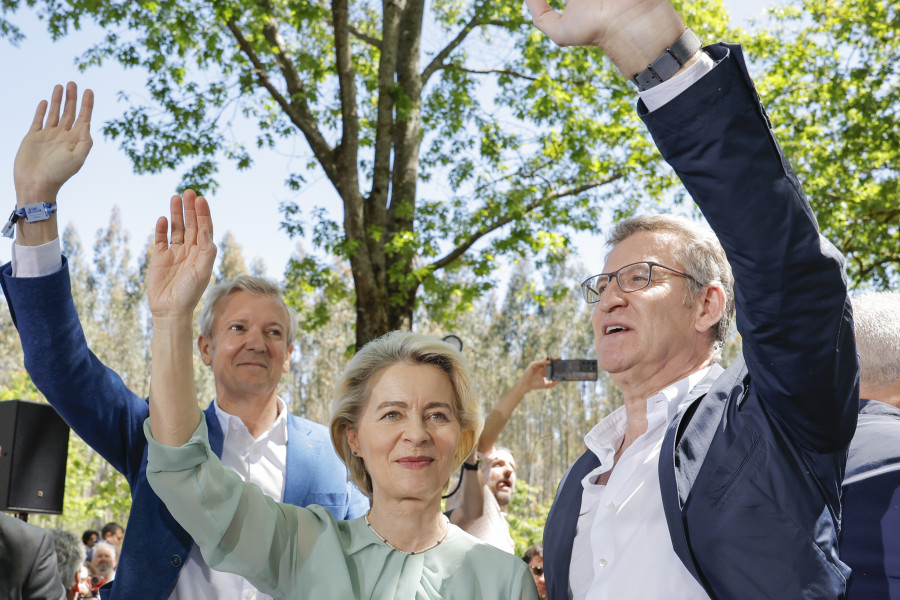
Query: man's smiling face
point(248, 350)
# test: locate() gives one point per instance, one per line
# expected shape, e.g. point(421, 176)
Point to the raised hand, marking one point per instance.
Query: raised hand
point(53, 150)
point(632, 32)
point(533, 377)
point(181, 266)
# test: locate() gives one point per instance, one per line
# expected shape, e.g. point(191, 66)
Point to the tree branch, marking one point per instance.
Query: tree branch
point(502, 221)
point(343, 54)
point(297, 109)
point(372, 41)
point(496, 71)
point(438, 61)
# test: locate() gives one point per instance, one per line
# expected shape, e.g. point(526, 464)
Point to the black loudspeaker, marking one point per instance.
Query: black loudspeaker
point(34, 444)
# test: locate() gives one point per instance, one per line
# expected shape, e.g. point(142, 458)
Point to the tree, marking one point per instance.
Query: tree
point(520, 142)
point(830, 83)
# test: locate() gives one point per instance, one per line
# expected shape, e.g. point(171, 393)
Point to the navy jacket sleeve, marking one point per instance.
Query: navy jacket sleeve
point(793, 311)
point(89, 396)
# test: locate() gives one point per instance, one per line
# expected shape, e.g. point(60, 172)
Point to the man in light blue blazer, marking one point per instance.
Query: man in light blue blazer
point(246, 338)
point(708, 483)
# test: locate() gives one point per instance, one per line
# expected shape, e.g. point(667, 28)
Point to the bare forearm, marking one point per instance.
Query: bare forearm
point(471, 507)
point(499, 416)
point(173, 401)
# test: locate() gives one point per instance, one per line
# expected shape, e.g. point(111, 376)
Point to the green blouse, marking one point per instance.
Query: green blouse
point(292, 552)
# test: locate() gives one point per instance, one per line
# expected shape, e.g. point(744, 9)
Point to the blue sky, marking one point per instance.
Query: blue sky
point(247, 203)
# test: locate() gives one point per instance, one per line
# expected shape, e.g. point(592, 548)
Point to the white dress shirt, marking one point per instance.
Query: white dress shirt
point(622, 547)
point(260, 461)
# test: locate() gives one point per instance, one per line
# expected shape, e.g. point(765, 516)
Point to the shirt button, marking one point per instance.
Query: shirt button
point(175, 560)
point(610, 505)
point(602, 562)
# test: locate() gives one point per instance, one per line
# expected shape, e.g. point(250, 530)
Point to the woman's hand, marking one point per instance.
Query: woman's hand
point(181, 266)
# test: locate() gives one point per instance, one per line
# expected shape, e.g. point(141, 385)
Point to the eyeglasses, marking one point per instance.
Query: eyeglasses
point(537, 570)
point(630, 278)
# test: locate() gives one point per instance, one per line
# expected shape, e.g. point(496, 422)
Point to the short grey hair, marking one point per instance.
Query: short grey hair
point(69, 555)
point(355, 387)
point(258, 286)
point(876, 319)
point(102, 544)
point(700, 255)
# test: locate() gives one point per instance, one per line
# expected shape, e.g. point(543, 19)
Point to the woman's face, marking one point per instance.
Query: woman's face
point(408, 433)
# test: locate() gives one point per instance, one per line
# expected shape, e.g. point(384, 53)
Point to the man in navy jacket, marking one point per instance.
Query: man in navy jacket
point(870, 532)
point(246, 338)
point(708, 483)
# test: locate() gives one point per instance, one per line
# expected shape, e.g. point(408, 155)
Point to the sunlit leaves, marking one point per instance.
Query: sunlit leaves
point(829, 76)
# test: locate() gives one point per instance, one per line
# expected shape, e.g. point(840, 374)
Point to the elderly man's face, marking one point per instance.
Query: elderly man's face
point(249, 349)
point(104, 560)
point(640, 334)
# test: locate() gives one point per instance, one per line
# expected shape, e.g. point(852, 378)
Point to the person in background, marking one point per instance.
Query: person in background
point(489, 473)
point(870, 526)
point(104, 562)
point(70, 563)
point(28, 569)
point(89, 538)
point(113, 533)
point(534, 558)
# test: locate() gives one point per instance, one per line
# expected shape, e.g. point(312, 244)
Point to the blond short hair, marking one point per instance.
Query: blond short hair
point(355, 387)
point(258, 286)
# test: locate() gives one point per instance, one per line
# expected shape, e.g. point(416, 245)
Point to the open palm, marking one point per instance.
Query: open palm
point(54, 150)
point(180, 268)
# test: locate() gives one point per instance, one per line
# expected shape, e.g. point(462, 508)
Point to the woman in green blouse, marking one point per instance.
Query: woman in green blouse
point(404, 419)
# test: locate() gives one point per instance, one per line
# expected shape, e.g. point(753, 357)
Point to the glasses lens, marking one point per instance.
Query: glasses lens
point(593, 287)
point(537, 570)
point(634, 277)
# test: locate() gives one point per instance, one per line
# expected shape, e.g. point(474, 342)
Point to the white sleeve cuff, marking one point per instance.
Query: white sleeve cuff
point(668, 90)
point(36, 261)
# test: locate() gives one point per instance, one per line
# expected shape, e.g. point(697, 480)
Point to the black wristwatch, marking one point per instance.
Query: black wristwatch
point(668, 62)
point(470, 467)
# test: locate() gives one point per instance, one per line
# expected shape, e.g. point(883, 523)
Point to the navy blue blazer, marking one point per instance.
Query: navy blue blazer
point(98, 406)
point(750, 472)
point(870, 532)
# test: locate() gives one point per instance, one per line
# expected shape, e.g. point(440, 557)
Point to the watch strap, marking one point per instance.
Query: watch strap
point(668, 63)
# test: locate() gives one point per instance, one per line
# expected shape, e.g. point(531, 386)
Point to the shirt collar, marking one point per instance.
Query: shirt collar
point(606, 436)
point(277, 432)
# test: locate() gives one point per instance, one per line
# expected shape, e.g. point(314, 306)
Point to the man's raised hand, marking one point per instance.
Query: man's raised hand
point(53, 149)
point(181, 266)
point(633, 33)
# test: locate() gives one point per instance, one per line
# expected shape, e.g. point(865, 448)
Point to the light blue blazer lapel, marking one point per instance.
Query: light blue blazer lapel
point(301, 459)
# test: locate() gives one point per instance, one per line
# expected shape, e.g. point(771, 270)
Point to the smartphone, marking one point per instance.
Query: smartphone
point(572, 370)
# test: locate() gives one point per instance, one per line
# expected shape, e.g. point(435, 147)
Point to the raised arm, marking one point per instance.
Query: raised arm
point(53, 150)
point(470, 505)
point(532, 379)
point(179, 272)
